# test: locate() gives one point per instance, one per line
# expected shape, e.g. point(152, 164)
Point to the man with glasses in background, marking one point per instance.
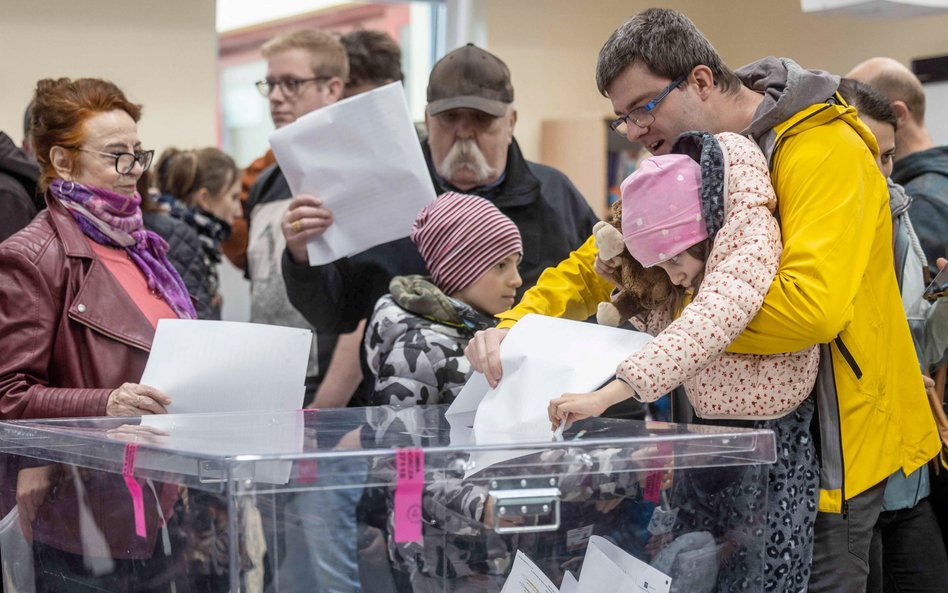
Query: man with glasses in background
point(306, 70)
point(313, 540)
point(374, 60)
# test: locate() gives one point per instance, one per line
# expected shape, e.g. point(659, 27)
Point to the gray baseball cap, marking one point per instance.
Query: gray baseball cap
point(470, 77)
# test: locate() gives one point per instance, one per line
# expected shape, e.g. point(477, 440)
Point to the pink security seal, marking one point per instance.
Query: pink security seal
point(410, 464)
point(138, 503)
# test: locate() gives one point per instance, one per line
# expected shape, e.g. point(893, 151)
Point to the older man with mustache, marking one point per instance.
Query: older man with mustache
point(470, 149)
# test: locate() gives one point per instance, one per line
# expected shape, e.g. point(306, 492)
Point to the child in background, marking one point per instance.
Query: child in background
point(416, 337)
point(710, 227)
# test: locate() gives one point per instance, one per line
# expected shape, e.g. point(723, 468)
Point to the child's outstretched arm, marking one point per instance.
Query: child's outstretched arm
point(577, 406)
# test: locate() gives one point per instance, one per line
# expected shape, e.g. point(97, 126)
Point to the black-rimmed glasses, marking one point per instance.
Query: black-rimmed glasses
point(125, 161)
point(289, 86)
point(642, 116)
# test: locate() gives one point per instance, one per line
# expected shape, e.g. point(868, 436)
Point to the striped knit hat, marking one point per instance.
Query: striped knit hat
point(460, 237)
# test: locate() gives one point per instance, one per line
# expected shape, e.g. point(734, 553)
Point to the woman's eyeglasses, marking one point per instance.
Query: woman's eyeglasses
point(125, 161)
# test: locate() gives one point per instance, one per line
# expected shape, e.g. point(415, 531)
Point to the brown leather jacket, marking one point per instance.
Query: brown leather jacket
point(69, 335)
point(70, 332)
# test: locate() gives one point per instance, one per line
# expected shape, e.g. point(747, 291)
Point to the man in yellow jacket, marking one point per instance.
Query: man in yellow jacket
point(836, 284)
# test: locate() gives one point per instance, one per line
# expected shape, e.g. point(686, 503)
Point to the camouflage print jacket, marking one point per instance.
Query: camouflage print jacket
point(415, 343)
point(456, 543)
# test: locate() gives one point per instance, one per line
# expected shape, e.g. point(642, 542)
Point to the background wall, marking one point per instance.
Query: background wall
point(551, 46)
point(162, 54)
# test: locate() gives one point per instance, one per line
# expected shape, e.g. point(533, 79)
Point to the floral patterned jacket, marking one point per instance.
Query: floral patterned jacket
point(738, 201)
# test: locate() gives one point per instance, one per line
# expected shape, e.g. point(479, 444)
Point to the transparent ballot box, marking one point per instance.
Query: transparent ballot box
point(378, 500)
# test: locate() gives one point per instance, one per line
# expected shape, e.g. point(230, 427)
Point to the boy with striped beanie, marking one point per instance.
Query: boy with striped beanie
point(416, 337)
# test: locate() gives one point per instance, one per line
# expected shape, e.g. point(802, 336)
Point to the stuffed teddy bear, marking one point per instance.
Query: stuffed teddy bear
point(639, 289)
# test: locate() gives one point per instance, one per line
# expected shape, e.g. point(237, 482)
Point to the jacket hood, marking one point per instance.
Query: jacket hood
point(899, 201)
point(418, 295)
point(787, 88)
point(705, 149)
point(712, 152)
point(15, 163)
point(933, 160)
point(815, 116)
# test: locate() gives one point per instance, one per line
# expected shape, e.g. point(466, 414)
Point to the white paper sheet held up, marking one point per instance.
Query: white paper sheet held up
point(608, 567)
point(526, 577)
point(544, 357)
point(362, 157)
point(227, 366)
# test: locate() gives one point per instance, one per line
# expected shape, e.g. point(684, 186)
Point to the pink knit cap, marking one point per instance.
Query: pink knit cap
point(460, 237)
point(661, 208)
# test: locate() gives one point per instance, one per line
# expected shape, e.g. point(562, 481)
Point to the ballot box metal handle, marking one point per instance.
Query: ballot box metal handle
point(523, 505)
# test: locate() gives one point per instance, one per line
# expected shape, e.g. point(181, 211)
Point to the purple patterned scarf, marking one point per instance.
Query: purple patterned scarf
point(112, 219)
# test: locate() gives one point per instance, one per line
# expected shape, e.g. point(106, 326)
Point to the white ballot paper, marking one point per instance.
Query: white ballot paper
point(544, 357)
point(569, 584)
point(362, 157)
point(526, 577)
point(608, 567)
point(227, 366)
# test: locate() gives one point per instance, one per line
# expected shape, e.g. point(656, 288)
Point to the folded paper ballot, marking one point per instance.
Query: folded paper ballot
point(362, 157)
point(526, 577)
point(569, 584)
point(220, 435)
point(543, 358)
point(607, 567)
point(227, 366)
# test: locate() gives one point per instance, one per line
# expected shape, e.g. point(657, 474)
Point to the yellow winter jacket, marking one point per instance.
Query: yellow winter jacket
point(836, 285)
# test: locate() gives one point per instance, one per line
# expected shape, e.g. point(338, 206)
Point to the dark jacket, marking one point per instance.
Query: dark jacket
point(18, 177)
point(924, 175)
point(70, 335)
point(552, 216)
point(184, 253)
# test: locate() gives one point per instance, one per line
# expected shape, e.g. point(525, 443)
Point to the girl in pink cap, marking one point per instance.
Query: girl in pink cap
point(706, 218)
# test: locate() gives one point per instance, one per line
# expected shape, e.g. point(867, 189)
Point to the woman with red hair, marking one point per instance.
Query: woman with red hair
point(81, 291)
